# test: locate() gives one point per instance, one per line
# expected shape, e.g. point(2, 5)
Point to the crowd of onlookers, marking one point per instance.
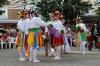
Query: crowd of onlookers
point(93, 36)
point(7, 36)
point(10, 28)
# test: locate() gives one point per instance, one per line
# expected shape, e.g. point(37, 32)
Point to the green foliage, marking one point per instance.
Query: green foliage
point(2, 3)
point(73, 27)
point(98, 11)
point(70, 8)
point(2, 11)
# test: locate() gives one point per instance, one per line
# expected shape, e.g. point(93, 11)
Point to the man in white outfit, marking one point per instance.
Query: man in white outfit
point(57, 39)
point(22, 26)
point(82, 30)
point(35, 36)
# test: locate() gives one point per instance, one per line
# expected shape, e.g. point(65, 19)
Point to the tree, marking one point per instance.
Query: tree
point(73, 8)
point(70, 8)
point(98, 9)
point(2, 3)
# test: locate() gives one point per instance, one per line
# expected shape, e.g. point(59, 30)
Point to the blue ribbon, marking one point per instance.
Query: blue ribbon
point(35, 40)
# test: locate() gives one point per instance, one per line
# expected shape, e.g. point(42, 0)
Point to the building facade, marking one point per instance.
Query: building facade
point(12, 9)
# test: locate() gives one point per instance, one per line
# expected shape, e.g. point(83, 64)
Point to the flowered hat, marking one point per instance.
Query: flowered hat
point(57, 14)
point(78, 19)
point(22, 13)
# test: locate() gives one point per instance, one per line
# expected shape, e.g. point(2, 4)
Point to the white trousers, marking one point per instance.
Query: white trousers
point(66, 45)
point(49, 49)
point(82, 46)
point(57, 52)
point(33, 54)
point(22, 53)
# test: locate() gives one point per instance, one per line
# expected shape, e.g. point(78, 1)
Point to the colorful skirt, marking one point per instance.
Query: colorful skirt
point(21, 42)
point(20, 39)
point(58, 41)
point(77, 40)
point(35, 39)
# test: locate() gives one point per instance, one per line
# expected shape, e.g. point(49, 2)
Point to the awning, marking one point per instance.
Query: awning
point(8, 21)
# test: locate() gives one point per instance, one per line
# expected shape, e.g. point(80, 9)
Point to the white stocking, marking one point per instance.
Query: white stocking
point(31, 53)
point(57, 52)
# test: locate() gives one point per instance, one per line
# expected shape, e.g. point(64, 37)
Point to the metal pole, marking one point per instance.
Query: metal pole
point(24, 3)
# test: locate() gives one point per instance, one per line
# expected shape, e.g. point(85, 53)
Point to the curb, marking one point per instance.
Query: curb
point(87, 52)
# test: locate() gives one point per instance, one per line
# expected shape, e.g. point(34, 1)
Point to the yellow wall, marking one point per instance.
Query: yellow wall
point(12, 14)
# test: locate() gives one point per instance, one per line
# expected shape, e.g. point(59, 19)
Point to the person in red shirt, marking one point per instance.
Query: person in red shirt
point(5, 37)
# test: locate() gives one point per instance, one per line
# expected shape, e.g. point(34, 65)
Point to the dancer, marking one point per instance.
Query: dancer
point(35, 39)
point(21, 36)
point(57, 39)
point(81, 34)
point(67, 48)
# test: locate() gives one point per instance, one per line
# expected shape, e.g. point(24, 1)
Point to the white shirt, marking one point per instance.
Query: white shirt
point(82, 26)
point(58, 25)
point(23, 25)
point(26, 25)
point(36, 22)
point(20, 25)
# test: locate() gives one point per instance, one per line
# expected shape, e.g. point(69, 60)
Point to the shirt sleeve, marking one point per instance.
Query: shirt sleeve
point(40, 22)
point(18, 25)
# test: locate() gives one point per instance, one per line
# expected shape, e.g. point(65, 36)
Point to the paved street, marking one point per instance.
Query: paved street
point(10, 58)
